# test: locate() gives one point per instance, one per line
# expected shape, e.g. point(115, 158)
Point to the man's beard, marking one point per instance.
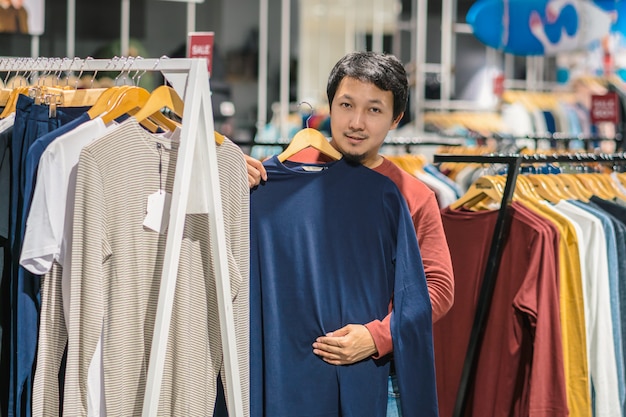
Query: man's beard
point(353, 159)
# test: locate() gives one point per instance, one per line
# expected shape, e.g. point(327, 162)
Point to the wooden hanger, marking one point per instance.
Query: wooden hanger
point(523, 191)
point(576, 187)
point(81, 98)
point(165, 122)
point(147, 124)
point(5, 93)
point(564, 189)
point(12, 101)
point(526, 190)
point(556, 186)
point(485, 187)
point(613, 189)
point(545, 188)
point(162, 121)
point(219, 138)
point(130, 101)
point(309, 138)
point(593, 183)
point(165, 97)
point(621, 176)
point(116, 101)
point(130, 98)
point(66, 96)
point(162, 97)
point(104, 102)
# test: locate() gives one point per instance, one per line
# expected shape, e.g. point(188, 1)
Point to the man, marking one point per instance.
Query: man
point(367, 93)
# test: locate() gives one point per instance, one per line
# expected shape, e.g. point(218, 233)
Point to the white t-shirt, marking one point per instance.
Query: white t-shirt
point(595, 277)
point(46, 232)
point(46, 220)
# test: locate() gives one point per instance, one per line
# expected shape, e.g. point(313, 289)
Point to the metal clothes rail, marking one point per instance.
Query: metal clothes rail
point(513, 162)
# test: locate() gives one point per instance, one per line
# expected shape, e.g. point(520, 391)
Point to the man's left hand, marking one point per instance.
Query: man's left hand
point(348, 345)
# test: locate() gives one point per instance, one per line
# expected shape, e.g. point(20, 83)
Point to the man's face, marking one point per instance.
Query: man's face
point(361, 115)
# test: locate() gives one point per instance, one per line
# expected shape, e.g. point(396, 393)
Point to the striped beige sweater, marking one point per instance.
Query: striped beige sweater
point(116, 265)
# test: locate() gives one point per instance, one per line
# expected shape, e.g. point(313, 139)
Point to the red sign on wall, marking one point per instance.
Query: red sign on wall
point(605, 108)
point(200, 45)
point(498, 85)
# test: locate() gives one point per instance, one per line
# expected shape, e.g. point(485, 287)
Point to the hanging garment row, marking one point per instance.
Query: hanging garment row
point(91, 176)
point(465, 172)
point(544, 120)
point(542, 325)
point(446, 191)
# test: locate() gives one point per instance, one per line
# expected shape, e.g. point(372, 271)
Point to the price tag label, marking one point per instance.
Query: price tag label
point(158, 211)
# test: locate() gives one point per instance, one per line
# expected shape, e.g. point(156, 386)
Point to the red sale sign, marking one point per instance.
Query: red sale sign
point(498, 85)
point(200, 45)
point(605, 108)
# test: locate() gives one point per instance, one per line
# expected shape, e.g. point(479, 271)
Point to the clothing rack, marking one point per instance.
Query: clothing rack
point(415, 140)
point(198, 161)
point(399, 141)
point(514, 163)
point(557, 137)
point(410, 142)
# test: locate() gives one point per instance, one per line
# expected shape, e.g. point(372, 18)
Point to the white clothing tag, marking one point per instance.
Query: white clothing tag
point(158, 211)
point(312, 168)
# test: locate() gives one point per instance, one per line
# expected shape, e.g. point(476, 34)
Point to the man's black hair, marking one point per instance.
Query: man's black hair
point(384, 71)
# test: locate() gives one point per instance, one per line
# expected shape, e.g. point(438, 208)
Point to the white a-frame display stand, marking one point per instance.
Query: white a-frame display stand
point(196, 168)
point(196, 160)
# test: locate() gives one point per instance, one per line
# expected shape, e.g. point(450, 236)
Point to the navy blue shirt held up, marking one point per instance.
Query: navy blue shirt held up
point(329, 247)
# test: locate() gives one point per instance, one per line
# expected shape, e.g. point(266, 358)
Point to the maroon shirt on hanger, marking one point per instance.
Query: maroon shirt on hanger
point(520, 365)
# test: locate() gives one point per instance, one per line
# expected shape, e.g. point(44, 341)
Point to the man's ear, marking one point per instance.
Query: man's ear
point(396, 121)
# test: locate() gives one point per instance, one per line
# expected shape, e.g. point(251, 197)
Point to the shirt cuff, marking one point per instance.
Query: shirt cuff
point(381, 333)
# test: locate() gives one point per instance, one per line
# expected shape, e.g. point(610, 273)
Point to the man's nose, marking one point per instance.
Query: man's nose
point(357, 121)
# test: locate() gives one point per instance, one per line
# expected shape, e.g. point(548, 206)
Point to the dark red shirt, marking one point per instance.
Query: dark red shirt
point(520, 366)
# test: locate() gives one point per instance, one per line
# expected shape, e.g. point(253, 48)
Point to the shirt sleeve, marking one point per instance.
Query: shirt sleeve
point(411, 327)
point(437, 268)
point(42, 237)
point(90, 250)
point(381, 333)
point(435, 257)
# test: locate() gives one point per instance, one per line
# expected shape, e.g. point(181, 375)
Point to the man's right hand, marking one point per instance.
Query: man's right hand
point(256, 171)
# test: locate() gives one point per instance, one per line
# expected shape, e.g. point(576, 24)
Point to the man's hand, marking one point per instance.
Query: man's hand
point(350, 344)
point(256, 171)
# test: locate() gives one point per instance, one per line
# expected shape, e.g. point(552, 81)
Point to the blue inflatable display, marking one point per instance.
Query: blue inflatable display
point(617, 9)
point(539, 27)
